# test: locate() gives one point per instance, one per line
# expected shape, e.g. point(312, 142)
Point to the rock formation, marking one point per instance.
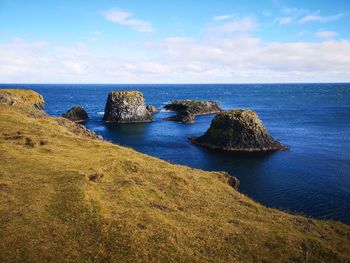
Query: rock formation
point(238, 130)
point(152, 109)
point(183, 116)
point(188, 109)
point(77, 114)
point(233, 182)
point(126, 107)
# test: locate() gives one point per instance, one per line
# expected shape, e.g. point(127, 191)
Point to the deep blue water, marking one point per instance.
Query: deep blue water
point(312, 178)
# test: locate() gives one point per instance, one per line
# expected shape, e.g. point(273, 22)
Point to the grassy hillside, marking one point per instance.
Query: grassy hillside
point(68, 196)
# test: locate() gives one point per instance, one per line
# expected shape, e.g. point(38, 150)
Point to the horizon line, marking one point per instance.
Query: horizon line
point(188, 83)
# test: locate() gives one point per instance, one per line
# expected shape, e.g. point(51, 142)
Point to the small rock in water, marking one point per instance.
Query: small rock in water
point(183, 116)
point(77, 114)
point(188, 109)
point(238, 130)
point(152, 109)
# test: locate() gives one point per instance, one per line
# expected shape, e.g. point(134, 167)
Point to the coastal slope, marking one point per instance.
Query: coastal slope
point(68, 196)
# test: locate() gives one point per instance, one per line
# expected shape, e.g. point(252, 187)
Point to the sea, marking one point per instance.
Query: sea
point(312, 178)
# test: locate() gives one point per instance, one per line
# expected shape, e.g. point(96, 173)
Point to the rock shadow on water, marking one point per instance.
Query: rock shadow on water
point(127, 128)
point(221, 156)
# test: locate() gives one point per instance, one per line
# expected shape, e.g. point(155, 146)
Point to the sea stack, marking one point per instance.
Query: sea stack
point(126, 107)
point(188, 109)
point(240, 131)
point(77, 114)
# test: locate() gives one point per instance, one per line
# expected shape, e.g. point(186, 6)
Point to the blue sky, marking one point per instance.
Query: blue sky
point(133, 41)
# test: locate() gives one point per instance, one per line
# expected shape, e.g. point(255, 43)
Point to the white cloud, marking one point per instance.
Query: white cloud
point(290, 15)
point(326, 34)
point(75, 67)
point(245, 24)
point(284, 20)
point(223, 17)
point(301, 16)
point(125, 18)
point(319, 18)
point(294, 11)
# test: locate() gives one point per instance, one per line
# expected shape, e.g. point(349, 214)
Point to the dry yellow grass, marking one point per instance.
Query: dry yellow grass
point(66, 197)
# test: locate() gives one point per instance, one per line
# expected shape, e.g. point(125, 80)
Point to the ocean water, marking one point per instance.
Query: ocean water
point(312, 178)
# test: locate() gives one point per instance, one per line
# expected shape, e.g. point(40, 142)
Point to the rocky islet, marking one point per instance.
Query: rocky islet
point(126, 107)
point(187, 109)
point(77, 114)
point(239, 131)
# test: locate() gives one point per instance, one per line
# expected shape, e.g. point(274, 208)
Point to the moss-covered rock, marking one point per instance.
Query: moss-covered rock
point(77, 114)
point(126, 107)
point(188, 109)
point(238, 130)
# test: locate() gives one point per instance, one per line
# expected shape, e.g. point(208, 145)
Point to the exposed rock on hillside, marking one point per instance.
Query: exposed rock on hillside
point(21, 97)
point(126, 107)
point(77, 114)
point(188, 109)
point(238, 130)
point(233, 181)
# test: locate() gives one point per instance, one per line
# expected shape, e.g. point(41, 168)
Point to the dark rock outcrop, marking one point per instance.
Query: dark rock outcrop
point(188, 109)
point(77, 114)
point(126, 107)
point(233, 182)
point(238, 130)
point(183, 116)
point(152, 109)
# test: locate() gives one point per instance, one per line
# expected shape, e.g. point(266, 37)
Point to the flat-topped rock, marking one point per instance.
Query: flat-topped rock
point(238, 130)
point(77, 114)
point(126, 107)
point(188, 109)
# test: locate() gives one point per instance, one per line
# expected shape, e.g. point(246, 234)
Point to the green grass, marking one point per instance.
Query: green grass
point(139, 209)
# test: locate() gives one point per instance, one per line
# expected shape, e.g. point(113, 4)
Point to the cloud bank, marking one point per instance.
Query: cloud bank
point(243, 59)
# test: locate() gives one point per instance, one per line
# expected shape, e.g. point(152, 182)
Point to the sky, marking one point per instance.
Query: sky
point(174, 41)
